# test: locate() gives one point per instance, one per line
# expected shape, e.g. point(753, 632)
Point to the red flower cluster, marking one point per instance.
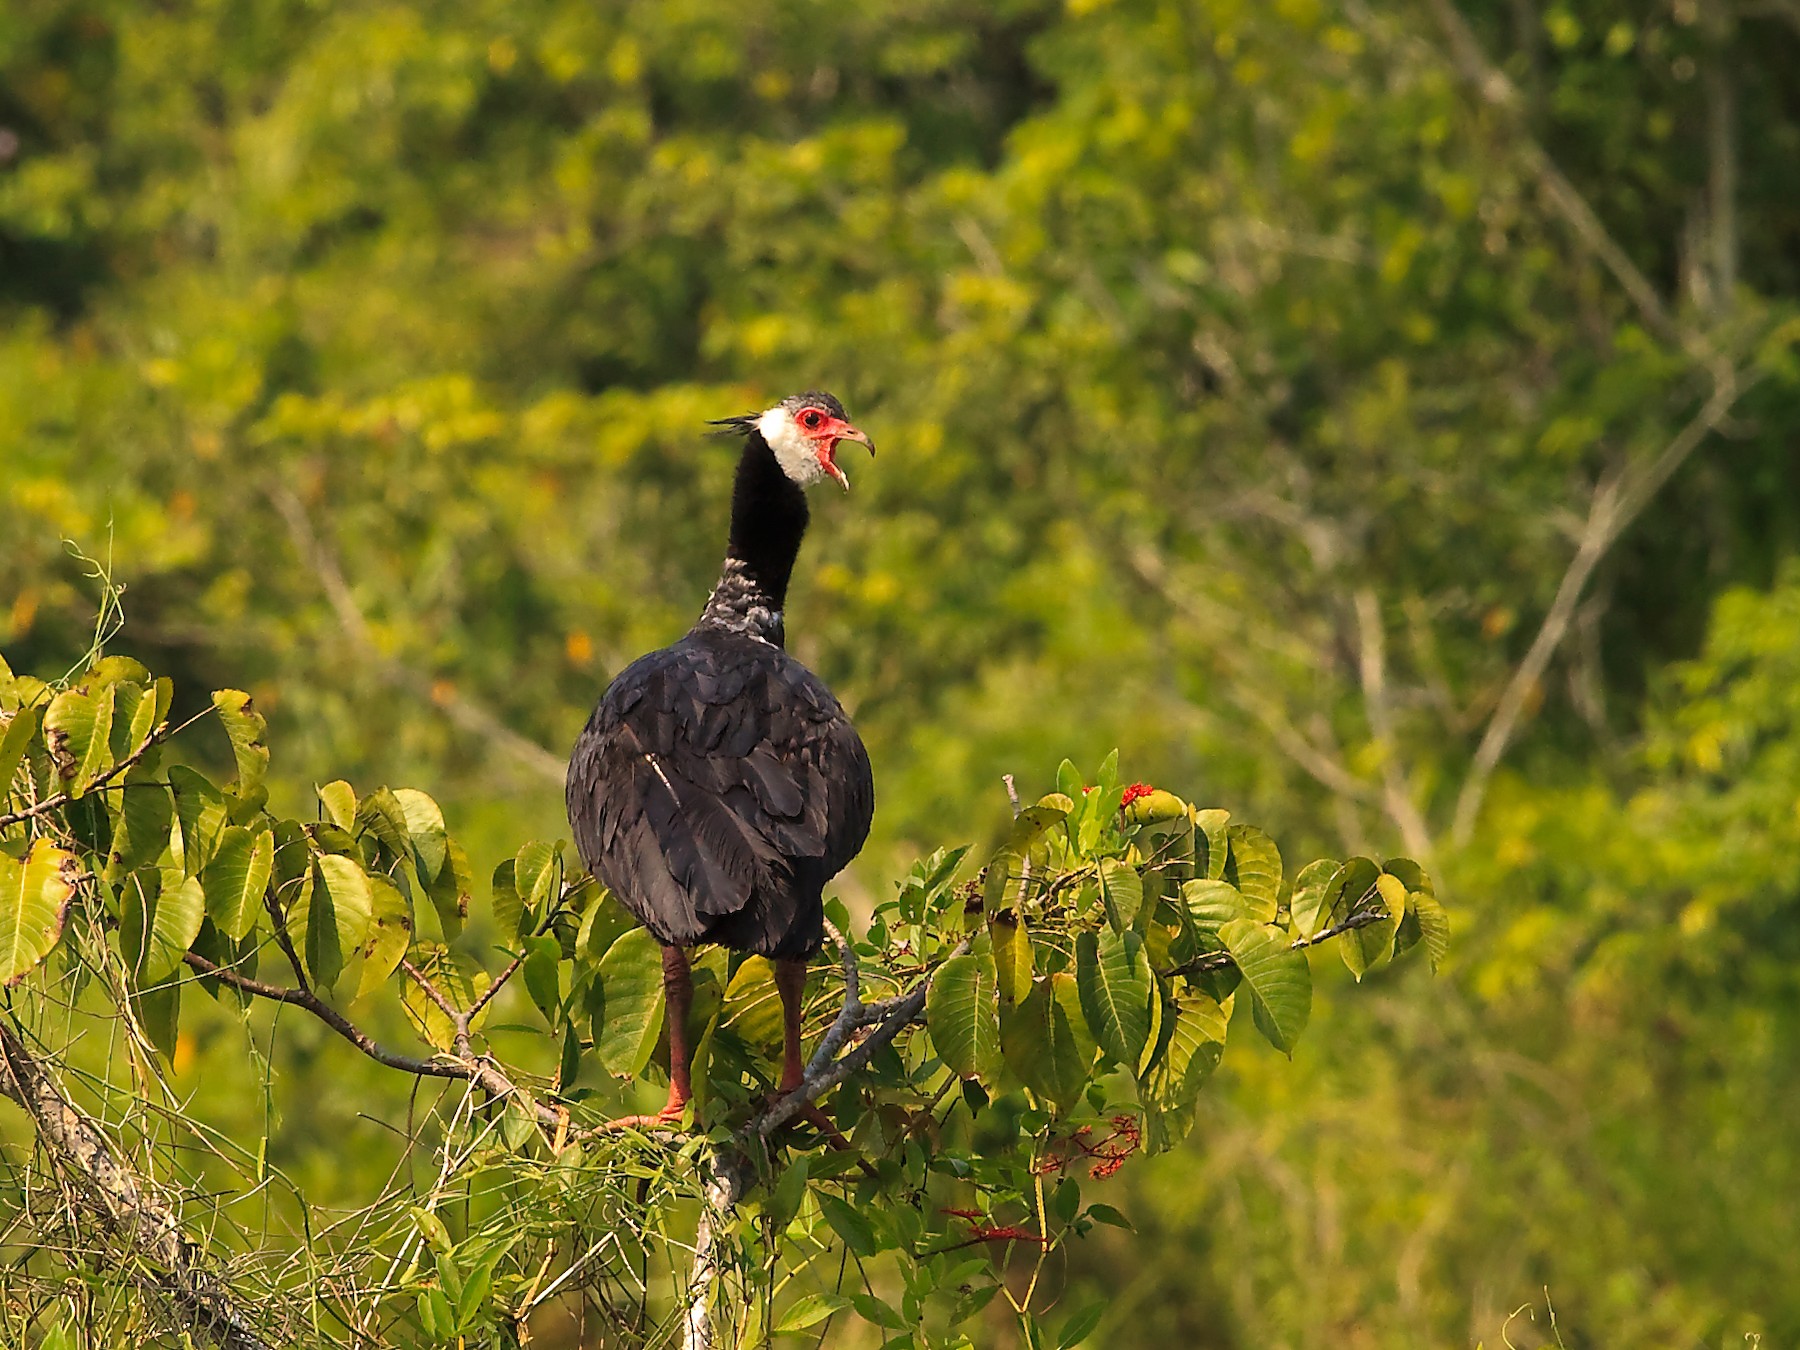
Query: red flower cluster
point(985, 1232)
point(1008, 1233)
point(1135, 791)
point(1107, 1156)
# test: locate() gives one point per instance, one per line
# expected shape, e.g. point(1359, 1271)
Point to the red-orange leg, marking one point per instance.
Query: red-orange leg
point(678, 995)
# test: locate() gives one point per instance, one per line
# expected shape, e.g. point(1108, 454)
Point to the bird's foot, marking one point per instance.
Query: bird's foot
point(665, 1121)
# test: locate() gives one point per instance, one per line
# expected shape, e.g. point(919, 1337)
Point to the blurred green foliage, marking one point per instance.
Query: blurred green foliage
point(1248, 378)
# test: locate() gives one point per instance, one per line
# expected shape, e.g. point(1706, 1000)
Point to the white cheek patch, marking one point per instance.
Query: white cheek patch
point(795, 453)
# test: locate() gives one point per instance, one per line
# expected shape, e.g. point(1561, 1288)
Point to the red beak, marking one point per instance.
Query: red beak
point(829, 435)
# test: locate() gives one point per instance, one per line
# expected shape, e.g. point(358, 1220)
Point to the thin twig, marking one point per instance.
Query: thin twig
point(1221, 960)
point(162, 733)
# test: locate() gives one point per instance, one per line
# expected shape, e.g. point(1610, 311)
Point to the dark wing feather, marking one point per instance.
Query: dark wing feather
point(716, 789)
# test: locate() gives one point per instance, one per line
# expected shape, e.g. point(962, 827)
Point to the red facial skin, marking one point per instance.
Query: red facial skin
point(825, 431)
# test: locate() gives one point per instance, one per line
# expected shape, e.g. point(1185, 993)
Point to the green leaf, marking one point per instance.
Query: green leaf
point(339, 907)
point(1079, 1327)
point(1068, 780)
point(1211, 904)
point(1103, 1213)
point(379, 814)
point(1255, 868)
point(1122, 890)
point(537, 874)
point(339, 800)
point(78, 733)
point(1434, 925)
point(1278, 977)
point(543, 957)
point(203, 813)
point(451, 891)
point(784, 1201)
point(629, 1008)
point(1047, 1043)
point(1313, 895)
point(158, 1011)
point(432, 1229)
point(878, 1312)
point(20, 732)
point(167, 931)
point(849, 1224)
point(1113, 979)
point(1212, 825)
point(141, 833)
point(601, 926)
point(34, 899)
point(752, 1009)
point(247, 731)
point(436, 1319)
point(1012, 961)
point(962, 1013)
point(1371, 947)
point(429, 835)
point(508, 907)
point(390, 934)
point(236, 878)
point(1190, 1053)
point(810, 1311)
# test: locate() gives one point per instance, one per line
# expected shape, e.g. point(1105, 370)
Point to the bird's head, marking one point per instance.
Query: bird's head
point(804, 431)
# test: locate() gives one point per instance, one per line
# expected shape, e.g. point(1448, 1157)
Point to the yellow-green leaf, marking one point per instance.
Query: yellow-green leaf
point(629, 1007)
point(962, 1013)
point(247, 731)
point(236, 878)
point(34, 898)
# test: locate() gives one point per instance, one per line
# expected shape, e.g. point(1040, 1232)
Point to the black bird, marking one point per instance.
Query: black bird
point(719, 785)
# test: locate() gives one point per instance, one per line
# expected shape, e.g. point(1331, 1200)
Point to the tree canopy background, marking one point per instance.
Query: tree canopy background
point(1378, 416)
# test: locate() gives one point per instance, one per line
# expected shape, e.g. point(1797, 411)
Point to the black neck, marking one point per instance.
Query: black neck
point(768, 520)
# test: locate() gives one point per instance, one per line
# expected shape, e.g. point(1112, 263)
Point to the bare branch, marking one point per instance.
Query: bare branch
point(466, 1067)
point(899, 1014)
point(120, 1200)
point(850, 1017)
point(1616, 504)
point(1396, 796)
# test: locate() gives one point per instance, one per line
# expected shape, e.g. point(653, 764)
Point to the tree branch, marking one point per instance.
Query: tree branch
point(121, 1202)
point(467, 1067)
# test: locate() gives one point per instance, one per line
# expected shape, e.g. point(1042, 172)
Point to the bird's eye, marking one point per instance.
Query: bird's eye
point(810, 419)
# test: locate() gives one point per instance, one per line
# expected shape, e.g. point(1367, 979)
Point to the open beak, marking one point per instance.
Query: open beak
point(842, 431)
